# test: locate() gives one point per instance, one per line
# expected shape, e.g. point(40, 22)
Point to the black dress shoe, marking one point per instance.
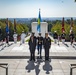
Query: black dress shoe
point(40, 57)
point(30, 59)
point(46, 59)
point(38, 53)
point(33, 59)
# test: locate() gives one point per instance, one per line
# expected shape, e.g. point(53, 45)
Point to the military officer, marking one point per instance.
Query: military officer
point(23, 35)
point(15, 37)
point(47, 45)
point(39, 44)
point(63, 35)
point(71, 35)
point(55, 37)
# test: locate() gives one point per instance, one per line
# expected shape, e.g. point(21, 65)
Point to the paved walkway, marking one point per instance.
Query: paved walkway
point(23, 50)
point(51, 37)
point(39, 67)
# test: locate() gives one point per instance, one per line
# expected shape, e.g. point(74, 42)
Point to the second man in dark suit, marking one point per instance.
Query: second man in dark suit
point(47, 45)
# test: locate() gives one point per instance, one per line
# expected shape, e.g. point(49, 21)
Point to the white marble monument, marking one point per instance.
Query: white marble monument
point(44, 28)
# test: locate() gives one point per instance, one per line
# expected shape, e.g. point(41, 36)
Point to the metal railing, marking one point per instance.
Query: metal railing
point(5, 66)
point(72, 66)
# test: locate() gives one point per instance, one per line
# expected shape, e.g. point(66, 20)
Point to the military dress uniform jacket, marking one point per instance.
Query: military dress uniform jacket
point(55, 36)
point(40, 40)
point(71, 36)
point(63, 36)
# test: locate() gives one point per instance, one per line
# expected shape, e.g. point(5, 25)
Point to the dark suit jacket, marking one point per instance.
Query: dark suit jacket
point(47, 43)
point(32, 45)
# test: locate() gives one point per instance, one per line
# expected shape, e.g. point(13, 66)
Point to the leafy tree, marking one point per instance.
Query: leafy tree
point(56, 27)
point(20, 28)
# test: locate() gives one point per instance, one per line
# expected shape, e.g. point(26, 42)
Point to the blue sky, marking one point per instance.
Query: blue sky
point(30, 8)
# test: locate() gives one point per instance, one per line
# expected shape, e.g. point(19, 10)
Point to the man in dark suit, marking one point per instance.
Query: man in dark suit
point(32, 47)
point(33, 34)
point(39, 43)
point(63, 35)
point(71, 35)
point(47, 45)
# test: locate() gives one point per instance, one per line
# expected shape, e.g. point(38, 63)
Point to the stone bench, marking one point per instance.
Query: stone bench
point(5, 66)
point(72, 66)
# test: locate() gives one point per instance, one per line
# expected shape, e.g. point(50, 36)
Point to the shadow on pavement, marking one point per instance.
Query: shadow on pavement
point(75, 44)
point(74, 47)
point(38, 63)
point(66, 45)
point(47, 67)
point(2, 48)
point(5, 46)
point(30, 66)
point(35, 66)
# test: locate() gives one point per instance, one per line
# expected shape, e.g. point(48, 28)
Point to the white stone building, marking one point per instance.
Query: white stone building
point(44, 28)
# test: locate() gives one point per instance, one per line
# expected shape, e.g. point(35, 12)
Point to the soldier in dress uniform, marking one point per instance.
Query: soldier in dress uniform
point(0, 33)
point(47, 45)
point(59, 39)
point(15, 37)
point(39, 44)
point(71, 35)
point(7, 38)
point(32, 47)
point(63, 37)
point(23, 35)
point(55, 36)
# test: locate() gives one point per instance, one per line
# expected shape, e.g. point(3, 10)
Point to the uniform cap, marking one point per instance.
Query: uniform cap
point(54, 31)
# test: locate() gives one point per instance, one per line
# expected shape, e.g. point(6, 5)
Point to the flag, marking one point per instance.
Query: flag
point(71, 22)
point(14, 25)
point(0, 33)
point(39, 22)
point(71, 25)
point(63, 25)
point(7, 26)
